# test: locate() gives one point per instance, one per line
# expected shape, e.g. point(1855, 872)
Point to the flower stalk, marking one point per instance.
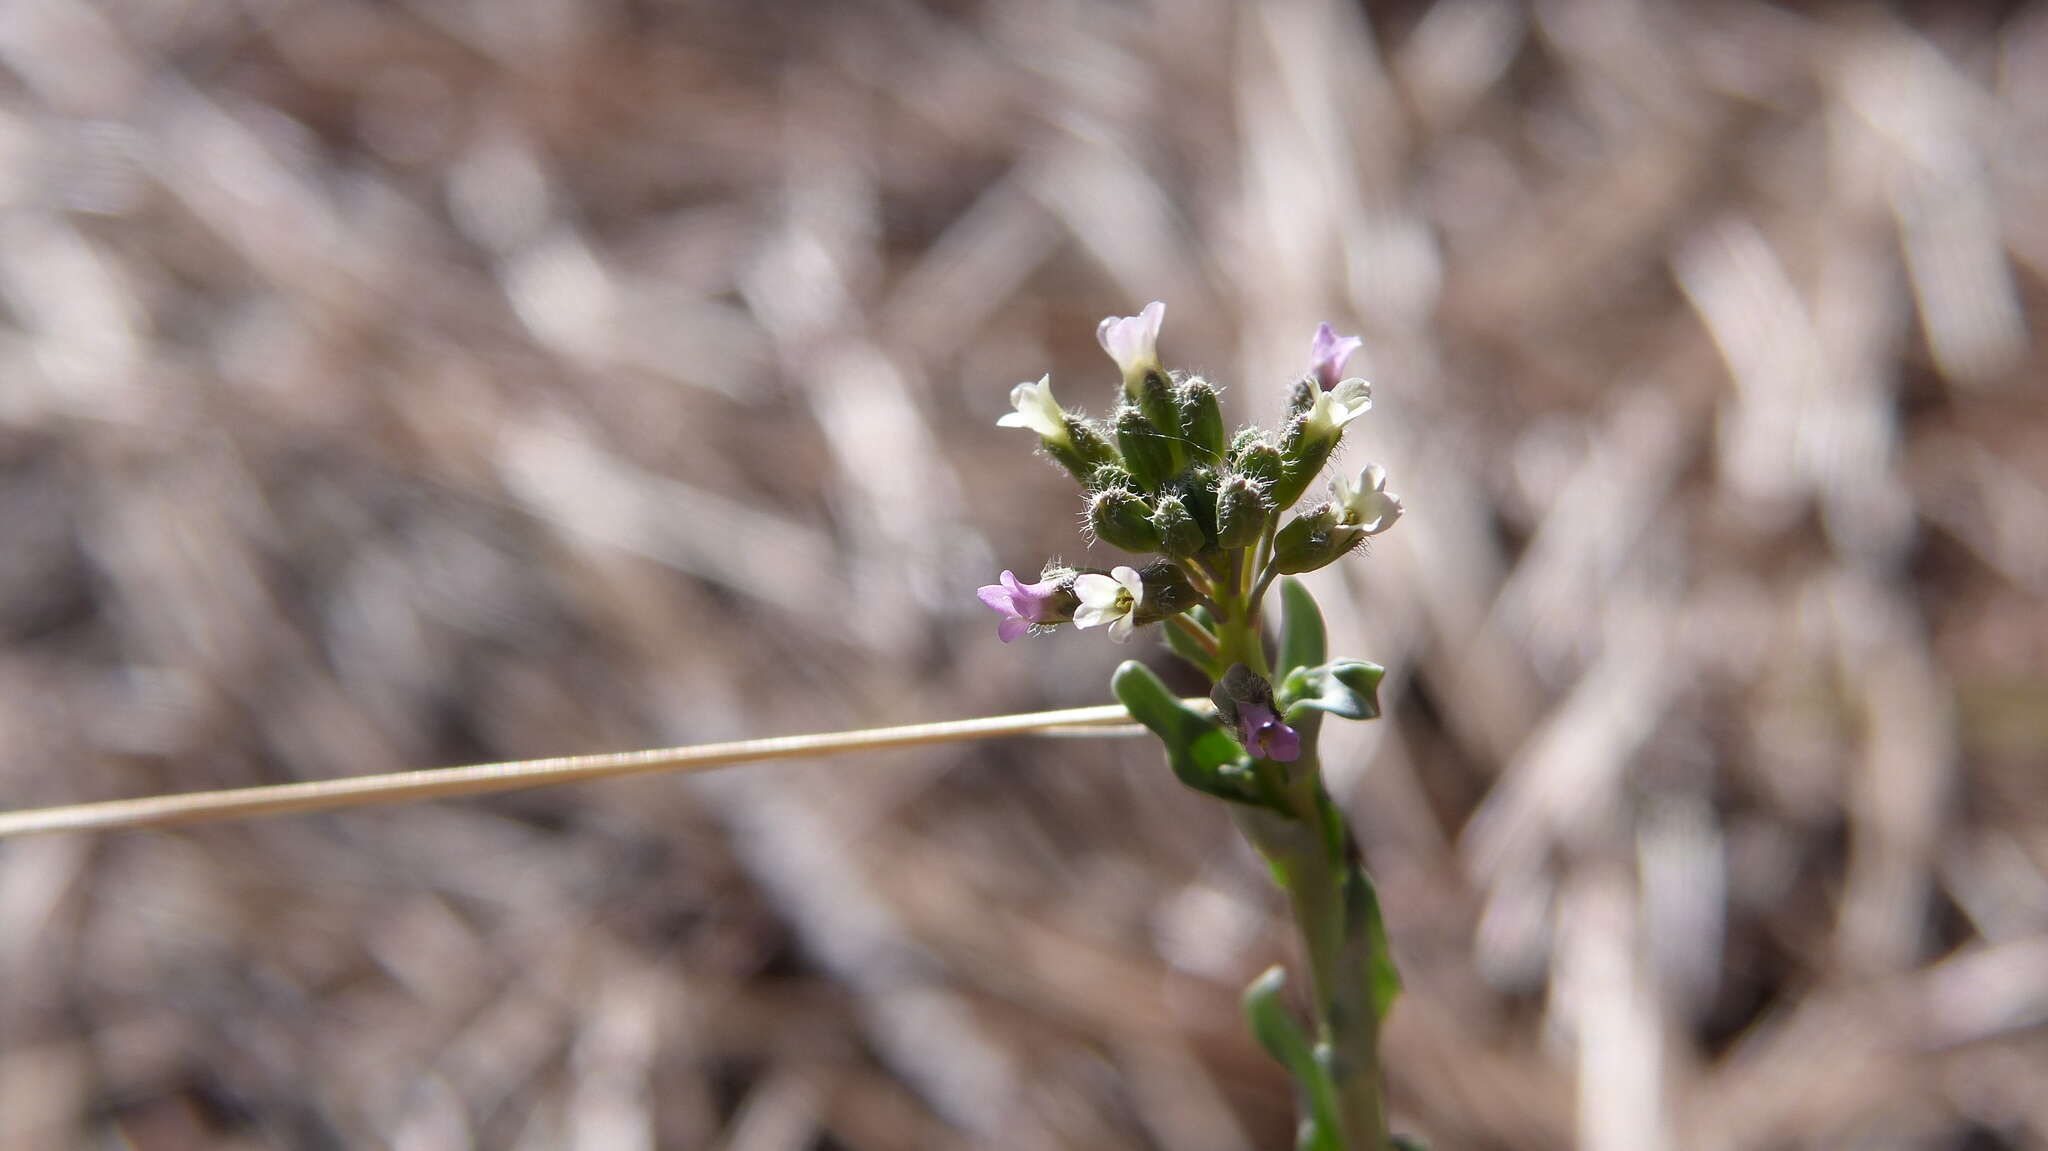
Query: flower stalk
point(1222, 522)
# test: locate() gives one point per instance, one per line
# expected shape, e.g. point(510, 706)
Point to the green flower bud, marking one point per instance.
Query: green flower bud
point(1198, 491)
point(1111, 475)
point(1259, 461)
point(1201, 418)
point(1156, 400)
point(1179, 535)
point(1241, 511)
point(1084, 450)
point(1313, 539)
point(1301, 396)
point(1121, 519)
point(1148, 452)
point(1167, 592)
point(1304, 449)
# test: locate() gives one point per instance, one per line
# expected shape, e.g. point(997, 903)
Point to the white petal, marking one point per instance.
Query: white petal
point(1132, 340)
point(1372, 478)
point(1094, 615)
point(1154, 314)
point(1120, 631)
point(1380, 512)
point(1097, 592)
point(1132, 582)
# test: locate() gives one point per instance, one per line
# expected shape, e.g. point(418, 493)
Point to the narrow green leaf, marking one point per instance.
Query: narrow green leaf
point(1302, 642)
point(1362, 915)
point(1201, 753)
point(1284, 1040)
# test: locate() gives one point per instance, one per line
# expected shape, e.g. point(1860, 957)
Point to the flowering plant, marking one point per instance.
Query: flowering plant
point(1217, 516)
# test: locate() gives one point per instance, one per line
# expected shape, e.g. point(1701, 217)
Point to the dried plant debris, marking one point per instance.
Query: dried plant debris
point(387, 386)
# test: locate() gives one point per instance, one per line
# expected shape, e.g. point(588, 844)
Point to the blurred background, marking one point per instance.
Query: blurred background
point(432, 381)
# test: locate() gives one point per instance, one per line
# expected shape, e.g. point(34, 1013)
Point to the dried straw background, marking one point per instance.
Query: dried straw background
point(393, 385)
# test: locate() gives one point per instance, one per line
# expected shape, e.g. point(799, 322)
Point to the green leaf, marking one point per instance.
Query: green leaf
point(1347, 688)
point(1284, 1040)
point(1369, 934)
point(1201, 753)
point(1302, 643)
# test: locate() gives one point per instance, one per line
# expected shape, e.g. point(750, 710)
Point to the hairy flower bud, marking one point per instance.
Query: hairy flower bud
point(1084, 451)
point(1241, 511)
point(1148, 452)
point(1121, 519)
point(1312, 540)
point(1303, 452)
point(1156, 400)
point(1179, 535)
point(1256, 459)
point(1110, 475)
point(1198, 491)
point(1201, 418)
point(1301, 395)
point(1167, 592)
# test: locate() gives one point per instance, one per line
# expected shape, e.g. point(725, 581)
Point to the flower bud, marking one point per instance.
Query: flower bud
point(1110, 475)
point(1148, 452)
point(1179, 535)
point(1197, 490)
point(1201, 418)
point(1301, 395)
point(1258, 460)
point(1083, 451)
point(1167, 592)
point(1241, 511)
point(1121, 519)
point(1304, 448)
point(1156, 400)
point(1312, 540)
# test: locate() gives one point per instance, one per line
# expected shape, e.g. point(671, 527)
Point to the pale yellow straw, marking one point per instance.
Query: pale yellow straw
point(478, 779)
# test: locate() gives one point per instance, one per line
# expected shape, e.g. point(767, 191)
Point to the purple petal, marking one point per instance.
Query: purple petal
point(1283, 743)
point(998, 597)
point(1012, 627)
point(1327, 353)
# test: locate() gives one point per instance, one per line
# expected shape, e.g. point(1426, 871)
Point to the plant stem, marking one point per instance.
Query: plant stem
point(1311, 855)
point(1196, 632)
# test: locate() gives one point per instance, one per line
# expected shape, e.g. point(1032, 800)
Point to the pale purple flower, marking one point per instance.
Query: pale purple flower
point(1367, 503)
point(1111, 599)
point(1265, 736)
point(1133, 341)
point(1327, 353)
point(1023, 605)
point(1339, 399)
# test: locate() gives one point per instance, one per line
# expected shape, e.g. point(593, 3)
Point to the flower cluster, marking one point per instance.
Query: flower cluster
point(1220, 518)
point(1161, 477)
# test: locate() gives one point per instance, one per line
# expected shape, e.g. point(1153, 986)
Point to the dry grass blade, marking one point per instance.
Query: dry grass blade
point(485, 778)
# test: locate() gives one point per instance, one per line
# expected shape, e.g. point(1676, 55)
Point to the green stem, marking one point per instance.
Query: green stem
point(1310, 853)
point(1238, 640)
point(1196, 632)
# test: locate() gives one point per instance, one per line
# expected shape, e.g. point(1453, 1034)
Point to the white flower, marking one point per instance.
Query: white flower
point(1367, 504)
point(1037, 410)
point(1339, 406)
point(1133, 341)
point(1112, 599)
